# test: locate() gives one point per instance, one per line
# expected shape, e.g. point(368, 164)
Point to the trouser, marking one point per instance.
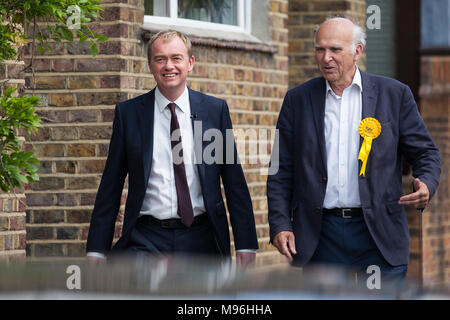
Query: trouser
point(347, 242)
point(150, 238)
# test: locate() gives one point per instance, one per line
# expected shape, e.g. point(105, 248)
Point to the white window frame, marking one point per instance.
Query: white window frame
point(244, 19)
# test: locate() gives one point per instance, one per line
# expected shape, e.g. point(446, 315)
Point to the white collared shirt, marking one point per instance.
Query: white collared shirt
point(160, 198)
point(342, 118)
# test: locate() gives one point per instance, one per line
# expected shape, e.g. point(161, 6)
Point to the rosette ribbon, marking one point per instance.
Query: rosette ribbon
point(369, 129)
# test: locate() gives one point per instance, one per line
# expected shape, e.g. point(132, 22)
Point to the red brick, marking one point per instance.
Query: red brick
point(63, 65)
point(67, 233)
point(17, 223)
point(81, 150)
point(79, 216)
point(46, 216)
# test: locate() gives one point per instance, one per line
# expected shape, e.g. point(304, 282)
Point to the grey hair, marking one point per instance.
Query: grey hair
point(359, 36)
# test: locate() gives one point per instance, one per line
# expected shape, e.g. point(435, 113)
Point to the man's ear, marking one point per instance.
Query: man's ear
point(191, 63)
point(359, 51)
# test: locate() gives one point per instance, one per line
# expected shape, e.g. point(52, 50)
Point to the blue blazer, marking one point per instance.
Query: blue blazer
point(297, 191)
point(130, 153)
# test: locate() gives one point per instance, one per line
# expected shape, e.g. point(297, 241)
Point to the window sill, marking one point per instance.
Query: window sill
point(439, 51)
point(213, 38)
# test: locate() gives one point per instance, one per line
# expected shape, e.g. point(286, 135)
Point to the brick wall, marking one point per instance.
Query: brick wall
point(12, 205)
point(435, 222)
point(304, 15)
point(79, 93)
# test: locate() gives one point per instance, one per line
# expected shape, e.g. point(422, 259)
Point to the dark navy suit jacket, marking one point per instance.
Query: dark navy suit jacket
point(130, 152)
point(296, 192)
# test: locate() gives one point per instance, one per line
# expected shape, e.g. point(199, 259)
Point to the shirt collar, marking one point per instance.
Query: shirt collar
point(182, 102)
point(356, 81)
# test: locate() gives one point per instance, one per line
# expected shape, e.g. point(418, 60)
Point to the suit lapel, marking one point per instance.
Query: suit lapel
point(369, 105)
point(199, 115)
point(369, 96)
point(318, 111)
point(146, 117)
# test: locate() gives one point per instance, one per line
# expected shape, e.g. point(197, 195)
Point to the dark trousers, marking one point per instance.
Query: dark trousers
point(347, 242)
point(148, 238)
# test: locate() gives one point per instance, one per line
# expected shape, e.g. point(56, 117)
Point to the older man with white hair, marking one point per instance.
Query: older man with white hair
point(337, 196)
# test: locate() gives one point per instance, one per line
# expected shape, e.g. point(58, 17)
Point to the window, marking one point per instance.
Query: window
point(226, 15)
point(381, 43)
point(435, 28)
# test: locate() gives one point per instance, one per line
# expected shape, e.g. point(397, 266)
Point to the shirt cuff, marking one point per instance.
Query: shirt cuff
point(96, 254)
point(246, 250)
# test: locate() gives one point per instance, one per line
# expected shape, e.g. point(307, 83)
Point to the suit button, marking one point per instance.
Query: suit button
point(324, 179)
point(317, 210)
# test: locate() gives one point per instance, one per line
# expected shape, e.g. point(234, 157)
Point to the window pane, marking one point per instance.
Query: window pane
point(217, 11)
point(157, 8)
point(381, 49)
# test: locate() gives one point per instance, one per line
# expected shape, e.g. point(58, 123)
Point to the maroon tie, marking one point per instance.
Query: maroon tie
point(185, 210)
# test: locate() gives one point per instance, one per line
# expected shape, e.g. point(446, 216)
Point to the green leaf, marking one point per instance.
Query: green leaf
point(100, 37)
point(67, 34)
point(83, 37)
point(94, 48)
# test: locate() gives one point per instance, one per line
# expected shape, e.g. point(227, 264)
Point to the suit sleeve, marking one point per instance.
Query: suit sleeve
point(280, 179)
point(417, 145)
point(107, 203)
point(238, 198)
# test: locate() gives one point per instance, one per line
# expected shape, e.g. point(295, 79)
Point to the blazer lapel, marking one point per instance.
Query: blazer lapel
point(369, 96)
point(318, 111)
point(199, 116)
point(146, 122)
point(369, 105)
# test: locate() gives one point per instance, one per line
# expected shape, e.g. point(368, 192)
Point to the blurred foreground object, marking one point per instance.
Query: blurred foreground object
point(156, 277)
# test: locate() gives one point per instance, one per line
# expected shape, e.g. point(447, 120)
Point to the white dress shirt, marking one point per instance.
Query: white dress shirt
point(160, 198)
point(342, 118)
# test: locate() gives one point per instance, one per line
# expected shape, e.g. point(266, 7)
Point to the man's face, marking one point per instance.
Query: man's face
point(334, 55)
point(170, 65)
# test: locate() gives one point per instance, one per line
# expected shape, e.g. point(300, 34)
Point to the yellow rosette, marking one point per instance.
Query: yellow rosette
point(369, 129)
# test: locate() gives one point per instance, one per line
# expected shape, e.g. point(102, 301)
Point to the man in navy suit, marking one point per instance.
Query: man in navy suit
point(325, 205)
point(174, 202)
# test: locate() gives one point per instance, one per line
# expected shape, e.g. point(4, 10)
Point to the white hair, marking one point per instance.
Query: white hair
point(359, 36)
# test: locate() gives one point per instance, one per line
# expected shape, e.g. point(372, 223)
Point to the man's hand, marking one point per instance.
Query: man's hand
point(418, 199)
point(243, 259)
point(95, 261)
point(284, 241)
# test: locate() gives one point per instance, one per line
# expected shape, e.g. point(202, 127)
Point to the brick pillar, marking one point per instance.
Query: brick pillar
point(303, 16)
point(435, 222)
point(12, 205)
point(79, 93)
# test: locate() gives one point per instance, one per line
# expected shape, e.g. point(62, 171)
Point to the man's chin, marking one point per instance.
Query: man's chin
point(329, 77)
